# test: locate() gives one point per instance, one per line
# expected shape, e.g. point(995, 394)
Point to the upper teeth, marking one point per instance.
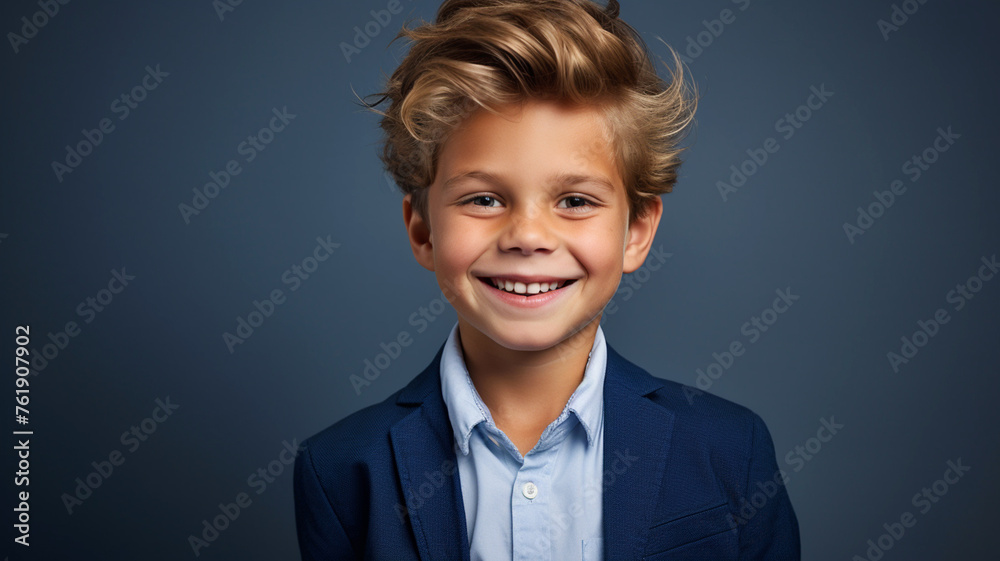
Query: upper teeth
point(525, 288)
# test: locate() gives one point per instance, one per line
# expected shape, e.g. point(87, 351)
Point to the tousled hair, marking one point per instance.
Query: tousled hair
point(481, 54)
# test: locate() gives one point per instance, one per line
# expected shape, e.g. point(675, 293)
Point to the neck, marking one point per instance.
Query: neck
point(525, 389)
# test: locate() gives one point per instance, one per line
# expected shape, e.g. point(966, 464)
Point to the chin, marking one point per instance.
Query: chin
point(528, 339)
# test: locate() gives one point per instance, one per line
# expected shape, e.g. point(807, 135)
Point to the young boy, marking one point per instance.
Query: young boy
point(532, 139)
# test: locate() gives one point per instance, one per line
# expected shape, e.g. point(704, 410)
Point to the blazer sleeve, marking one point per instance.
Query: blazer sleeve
point(771, 533)
point(321, 535)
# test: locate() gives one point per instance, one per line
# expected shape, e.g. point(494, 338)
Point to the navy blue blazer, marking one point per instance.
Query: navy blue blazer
point(687, 475)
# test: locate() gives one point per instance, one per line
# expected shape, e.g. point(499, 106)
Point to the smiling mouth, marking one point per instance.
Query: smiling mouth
point(525, 289)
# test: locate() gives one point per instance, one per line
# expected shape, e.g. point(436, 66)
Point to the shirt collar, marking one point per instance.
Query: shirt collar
point(466, 409)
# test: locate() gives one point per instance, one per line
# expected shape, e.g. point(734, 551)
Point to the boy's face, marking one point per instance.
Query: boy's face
point(534, 198)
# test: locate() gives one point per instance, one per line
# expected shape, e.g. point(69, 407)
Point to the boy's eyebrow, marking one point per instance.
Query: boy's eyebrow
point(561, 179)
point(481, 175)
point(575, 178)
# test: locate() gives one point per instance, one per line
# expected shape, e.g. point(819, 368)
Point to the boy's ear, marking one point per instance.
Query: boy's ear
point(640, 235)
point(419, 233)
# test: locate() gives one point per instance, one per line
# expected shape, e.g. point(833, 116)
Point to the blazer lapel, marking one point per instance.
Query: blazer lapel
point(637, 434)
point(424, 451)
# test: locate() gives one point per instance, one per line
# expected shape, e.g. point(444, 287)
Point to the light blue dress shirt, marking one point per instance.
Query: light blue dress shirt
point(545, 505)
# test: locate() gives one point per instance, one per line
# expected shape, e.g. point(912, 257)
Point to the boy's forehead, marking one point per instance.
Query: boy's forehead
point(567, 143)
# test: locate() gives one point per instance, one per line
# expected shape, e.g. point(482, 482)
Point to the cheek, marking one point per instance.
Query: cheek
point(601, 251)
point(457, 249)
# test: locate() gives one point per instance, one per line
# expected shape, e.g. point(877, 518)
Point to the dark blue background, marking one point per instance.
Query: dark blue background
point(162, 336)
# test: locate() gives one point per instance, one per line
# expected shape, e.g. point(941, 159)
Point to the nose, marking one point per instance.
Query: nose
point(529, 229)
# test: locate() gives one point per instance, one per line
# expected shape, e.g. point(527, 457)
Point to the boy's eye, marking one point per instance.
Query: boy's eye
point(575, 202)
point(484, 200)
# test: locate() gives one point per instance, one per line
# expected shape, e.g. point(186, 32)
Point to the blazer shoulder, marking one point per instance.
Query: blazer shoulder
point(691, 402)
point(679, 398)
point(721, 427)
point(364, 435)
point(358, 431)
point(696, 412)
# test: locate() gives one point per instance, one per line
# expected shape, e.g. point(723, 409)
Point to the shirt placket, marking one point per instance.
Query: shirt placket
point(530, 507)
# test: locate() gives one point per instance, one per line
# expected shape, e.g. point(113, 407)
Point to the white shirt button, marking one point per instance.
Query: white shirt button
point(530, 490)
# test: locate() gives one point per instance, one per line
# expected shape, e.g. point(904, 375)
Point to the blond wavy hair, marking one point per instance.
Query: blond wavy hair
point(480, 54)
